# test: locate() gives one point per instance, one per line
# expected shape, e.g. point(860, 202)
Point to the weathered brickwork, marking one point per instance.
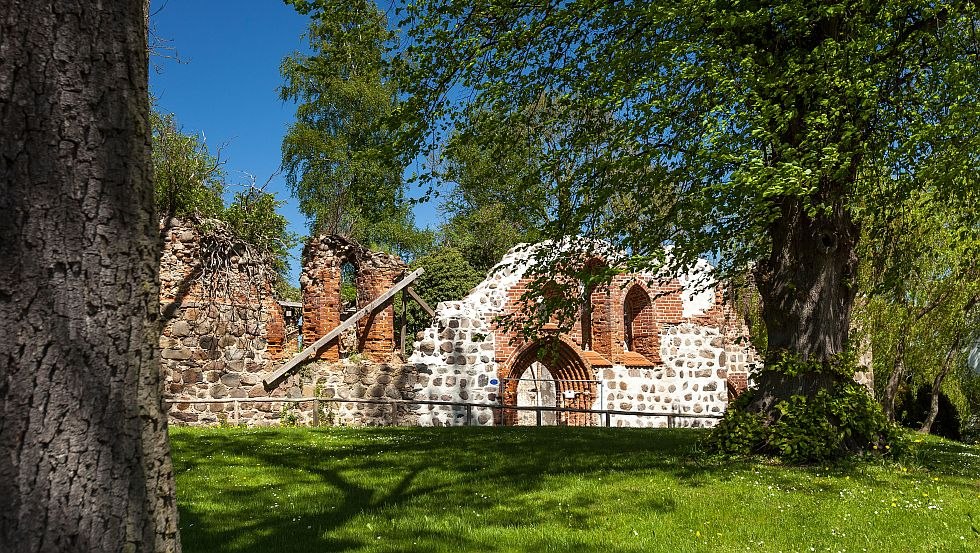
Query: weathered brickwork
point(644, 344)
point(223, 325)
point(225, 332)
point(323, 260)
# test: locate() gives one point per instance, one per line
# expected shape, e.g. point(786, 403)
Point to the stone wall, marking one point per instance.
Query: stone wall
point(225, 332)
point(337, 380)
point(457, 363)
point(223, 326)
point(652, 344)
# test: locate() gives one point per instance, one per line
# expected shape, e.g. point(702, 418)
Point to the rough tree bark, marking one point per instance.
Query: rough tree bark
point(807, 287)
point(84, 457)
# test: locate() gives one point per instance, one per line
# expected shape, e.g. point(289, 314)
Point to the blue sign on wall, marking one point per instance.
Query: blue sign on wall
point(494, 382)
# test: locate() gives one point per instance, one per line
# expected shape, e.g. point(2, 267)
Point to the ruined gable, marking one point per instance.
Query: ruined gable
point(644, 344)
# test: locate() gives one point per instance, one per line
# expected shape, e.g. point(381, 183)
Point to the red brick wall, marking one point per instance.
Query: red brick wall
point(376, 331)
point(642, 333)
point(630, 304)
point(324, 258)
point(321, 309)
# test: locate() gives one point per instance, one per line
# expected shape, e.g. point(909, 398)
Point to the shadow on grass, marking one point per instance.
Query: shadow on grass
point(392, 470)
point(286, 490)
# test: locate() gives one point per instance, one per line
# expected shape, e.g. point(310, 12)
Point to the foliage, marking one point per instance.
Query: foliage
point(348, 286)
point(816, 428)
point(396, 232)
point(337, 154)
point(748, 303)
point(839, 418)
point(252, 217)
point(923, 284)
point(808, 429)
point(723, 111)
point(740, 432)
point(288, 292)
point(554, 489)
point(759, 134)
point(447, 277)
point(190, 183)
point(188, 178)
point(483, 234)
point(499, 196)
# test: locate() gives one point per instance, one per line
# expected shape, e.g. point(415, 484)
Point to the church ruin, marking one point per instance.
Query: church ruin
point(647, 347)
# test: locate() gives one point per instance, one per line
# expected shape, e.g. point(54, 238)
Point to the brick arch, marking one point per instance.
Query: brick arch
point(323, 260)
point(641, 331)
point(563, 359)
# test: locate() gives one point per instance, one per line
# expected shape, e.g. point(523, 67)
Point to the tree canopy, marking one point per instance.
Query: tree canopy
point(337, 155)
point(188, 178)
point(728, 112)
point(190, 183)
point(769, 136)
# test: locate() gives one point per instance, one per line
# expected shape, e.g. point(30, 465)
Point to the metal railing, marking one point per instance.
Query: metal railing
point(605, 414)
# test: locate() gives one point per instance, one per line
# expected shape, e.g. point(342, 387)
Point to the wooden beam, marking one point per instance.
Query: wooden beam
point(311, 351)
point(404, 325)
point(418, 298)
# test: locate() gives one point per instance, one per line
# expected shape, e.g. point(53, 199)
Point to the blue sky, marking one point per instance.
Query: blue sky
point(225, 86)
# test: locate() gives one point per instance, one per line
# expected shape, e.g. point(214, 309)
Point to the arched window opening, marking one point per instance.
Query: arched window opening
point(639, 323)
point(348, 290)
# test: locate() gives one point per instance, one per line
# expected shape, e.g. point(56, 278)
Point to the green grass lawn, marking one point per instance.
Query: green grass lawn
point(555, 489)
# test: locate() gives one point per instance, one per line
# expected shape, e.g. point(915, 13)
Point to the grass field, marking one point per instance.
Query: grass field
point(555, 489)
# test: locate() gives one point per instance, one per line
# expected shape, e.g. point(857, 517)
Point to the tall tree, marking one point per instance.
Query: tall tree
point(337, 155)
point(921, 274)
point(498, 195)
point(84, 457)
point(755, 132)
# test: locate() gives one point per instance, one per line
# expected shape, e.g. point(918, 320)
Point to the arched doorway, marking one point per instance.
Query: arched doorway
point(574, 381)
point(536, 387)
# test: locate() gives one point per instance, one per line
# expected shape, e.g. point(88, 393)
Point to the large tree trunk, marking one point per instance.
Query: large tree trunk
point(807, 287)
point(84, 457)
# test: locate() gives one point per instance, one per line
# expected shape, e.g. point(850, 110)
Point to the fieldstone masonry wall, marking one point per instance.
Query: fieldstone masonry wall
point(650, 345)
point(690, 382)
point(223, 326)
point(225, 332)
point(457, 354)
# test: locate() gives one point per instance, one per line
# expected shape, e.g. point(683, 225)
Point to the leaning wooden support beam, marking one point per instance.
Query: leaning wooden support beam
point(311, 351)
point(418, 298)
